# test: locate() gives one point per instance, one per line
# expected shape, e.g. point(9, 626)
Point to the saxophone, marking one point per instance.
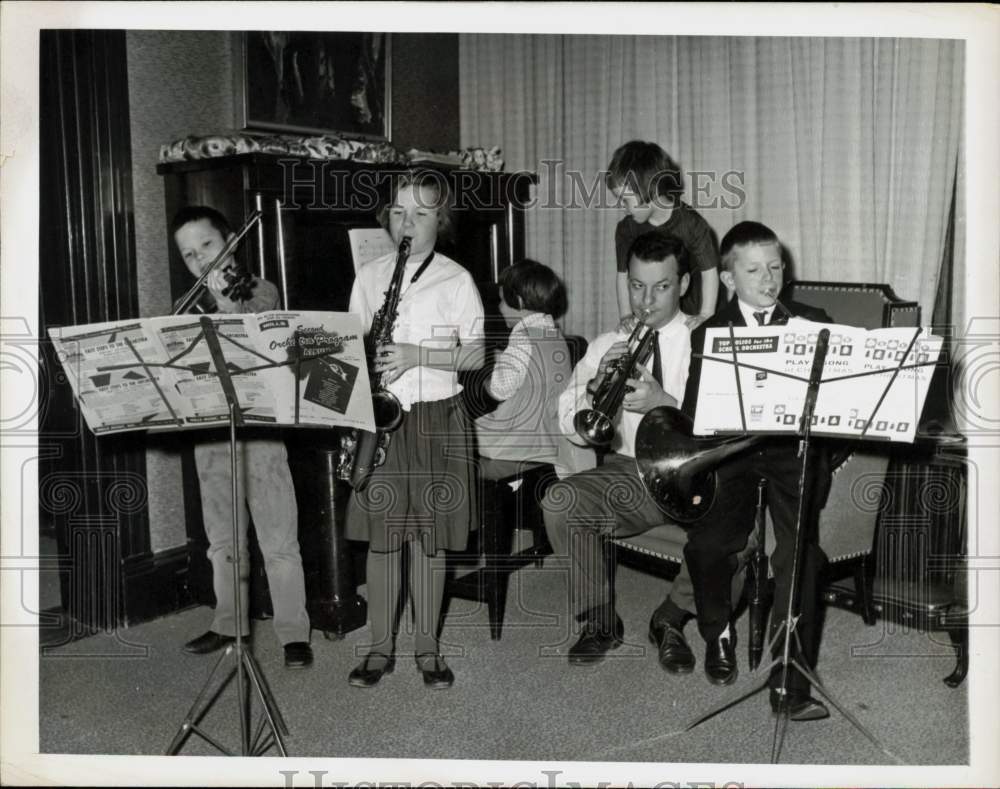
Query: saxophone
point(360, 450)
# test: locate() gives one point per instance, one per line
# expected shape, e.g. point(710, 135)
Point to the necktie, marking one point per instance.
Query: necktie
point(761, 318)
point(657, 361)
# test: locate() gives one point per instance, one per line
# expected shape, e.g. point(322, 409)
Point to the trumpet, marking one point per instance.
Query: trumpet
point(596, 425)
point(239, 285)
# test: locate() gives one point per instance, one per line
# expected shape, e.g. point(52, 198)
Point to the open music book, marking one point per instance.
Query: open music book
point(302, 369)
point(873, 385)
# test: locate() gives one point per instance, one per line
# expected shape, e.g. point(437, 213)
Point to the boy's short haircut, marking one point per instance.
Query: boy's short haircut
point(657, 246)
point(535, 287)
point(195, 213)
point(648, 170)
point(744, 234)
point(428, 179)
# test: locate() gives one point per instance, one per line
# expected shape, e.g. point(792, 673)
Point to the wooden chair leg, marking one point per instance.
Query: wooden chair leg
point(532, 515)
point(958, 632)
point(864, 582)
point(497, 537)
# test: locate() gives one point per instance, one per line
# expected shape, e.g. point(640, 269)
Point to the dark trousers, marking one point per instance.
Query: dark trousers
point(714, 542)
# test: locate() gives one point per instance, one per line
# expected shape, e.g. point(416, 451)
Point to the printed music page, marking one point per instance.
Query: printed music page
point(158, 373)
point(870, 380)
point(196, 381)
point(368, 243)
point(104, 363)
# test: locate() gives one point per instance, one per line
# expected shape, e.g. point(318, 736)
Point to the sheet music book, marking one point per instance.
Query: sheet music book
point(157, 373)
point(368, 243)
point(848, 404)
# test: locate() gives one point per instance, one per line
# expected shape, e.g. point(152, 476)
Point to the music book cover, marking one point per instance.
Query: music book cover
point(288, 368)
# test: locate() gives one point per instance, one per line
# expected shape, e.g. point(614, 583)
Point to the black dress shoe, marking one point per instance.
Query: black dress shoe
point(595, 642)
point(364, 676)
point(801, 706)
point(720, 661)
point(437, 675)
point(298, 654)
point(675, 654)
point(208, 642)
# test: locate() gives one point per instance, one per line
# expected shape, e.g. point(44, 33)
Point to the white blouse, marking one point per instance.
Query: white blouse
point(442, 309)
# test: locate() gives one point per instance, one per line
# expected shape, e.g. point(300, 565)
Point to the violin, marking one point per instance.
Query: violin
point(239, 281)
point(239, 287)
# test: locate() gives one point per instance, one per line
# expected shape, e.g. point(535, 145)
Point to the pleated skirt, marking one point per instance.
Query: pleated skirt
point(427, 486)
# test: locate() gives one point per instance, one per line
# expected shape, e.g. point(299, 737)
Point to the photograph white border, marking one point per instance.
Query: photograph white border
point(978, 25)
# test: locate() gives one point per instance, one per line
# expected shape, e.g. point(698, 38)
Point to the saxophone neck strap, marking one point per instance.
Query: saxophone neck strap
point(421, 270)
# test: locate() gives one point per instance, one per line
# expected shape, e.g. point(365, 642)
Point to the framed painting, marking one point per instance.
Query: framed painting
point(316, 82)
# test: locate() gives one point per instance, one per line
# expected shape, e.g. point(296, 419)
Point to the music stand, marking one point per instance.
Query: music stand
point(245, 663)
point(786, 630)
point(162, 405)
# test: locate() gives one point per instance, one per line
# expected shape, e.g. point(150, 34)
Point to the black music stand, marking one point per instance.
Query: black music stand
point(759, 677)
point(245, 663)
point(245, 668)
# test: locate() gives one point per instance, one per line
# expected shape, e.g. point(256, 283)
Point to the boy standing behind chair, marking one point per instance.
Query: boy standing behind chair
point(649, 184)
point(263, 478)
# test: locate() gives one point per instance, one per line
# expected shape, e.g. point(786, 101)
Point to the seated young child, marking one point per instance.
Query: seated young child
point(529, 375)
point(264, 480)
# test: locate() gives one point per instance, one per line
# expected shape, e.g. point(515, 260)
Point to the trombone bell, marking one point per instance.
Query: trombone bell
point(664, 448)
point(677, 469)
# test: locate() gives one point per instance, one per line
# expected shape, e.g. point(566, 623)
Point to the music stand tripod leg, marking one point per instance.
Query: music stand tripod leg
point(754, 684)
point(269, 708)
point(198, 710)
point(783, 711)
point(815, 682)
point(245, 664)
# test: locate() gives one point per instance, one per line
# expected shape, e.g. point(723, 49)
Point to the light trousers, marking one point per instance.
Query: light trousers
point(264, 485)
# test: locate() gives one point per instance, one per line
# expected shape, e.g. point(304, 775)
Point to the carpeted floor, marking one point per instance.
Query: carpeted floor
point(516, 699)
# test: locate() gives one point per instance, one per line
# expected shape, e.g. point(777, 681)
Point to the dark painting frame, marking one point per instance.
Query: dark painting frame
point(316, 82)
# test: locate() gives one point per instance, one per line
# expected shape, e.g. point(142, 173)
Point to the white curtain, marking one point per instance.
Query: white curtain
point(847, 148)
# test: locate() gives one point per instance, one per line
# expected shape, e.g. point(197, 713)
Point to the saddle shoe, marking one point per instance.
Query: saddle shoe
point(720, 660)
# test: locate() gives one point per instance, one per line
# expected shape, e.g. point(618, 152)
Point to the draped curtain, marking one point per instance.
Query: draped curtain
point(848, 148)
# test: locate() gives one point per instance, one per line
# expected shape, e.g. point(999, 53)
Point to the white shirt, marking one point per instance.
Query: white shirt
point(748, 315)
point(440, 310)
point(675, 354)
point(512, 365)
point(748, 312)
